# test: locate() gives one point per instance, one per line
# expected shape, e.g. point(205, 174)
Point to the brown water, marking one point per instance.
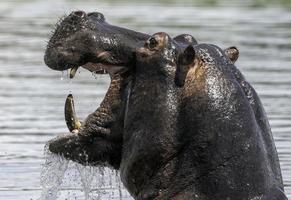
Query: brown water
point(32, 96)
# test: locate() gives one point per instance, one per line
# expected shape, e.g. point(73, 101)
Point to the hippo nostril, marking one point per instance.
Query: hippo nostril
point(98, 15)
point(79, 13)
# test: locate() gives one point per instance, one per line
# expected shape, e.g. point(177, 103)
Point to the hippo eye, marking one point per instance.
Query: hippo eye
point(152, 43)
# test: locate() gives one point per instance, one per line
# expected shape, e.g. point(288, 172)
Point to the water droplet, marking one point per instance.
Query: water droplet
point(67, 74)
point(62, 76)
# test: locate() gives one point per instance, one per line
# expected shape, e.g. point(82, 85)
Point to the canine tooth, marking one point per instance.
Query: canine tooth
point(72, 122)
point(73, 72)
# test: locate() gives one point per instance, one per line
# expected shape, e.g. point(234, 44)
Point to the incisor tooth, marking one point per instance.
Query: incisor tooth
point(73, 72)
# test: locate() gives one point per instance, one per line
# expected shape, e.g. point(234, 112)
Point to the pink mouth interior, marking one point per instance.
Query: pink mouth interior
point(100, 68)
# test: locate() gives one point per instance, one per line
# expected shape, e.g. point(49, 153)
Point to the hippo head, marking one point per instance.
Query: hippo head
point(87, 40)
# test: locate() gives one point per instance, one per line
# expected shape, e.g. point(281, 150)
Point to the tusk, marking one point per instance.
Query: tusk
point(73, 72)
point(72, 122)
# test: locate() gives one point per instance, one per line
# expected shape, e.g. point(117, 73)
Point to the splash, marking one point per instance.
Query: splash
point(52, 175)
point(86, 175)
point(63, 179)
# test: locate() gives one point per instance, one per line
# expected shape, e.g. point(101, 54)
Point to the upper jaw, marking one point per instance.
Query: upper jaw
point(94, 60)
point(58, 55)
point(101, 64)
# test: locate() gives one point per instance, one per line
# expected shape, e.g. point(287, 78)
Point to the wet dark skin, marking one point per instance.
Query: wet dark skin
point(171, 151)
point(99, 140)
point(230, 151)
point(150, 129)
point(260, 115)
point(165, 164)
point(261, 118)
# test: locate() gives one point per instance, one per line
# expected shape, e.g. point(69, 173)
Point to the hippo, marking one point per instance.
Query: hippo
point(87, 40)
point(179, 120)
point(171, 151)
point(230, 149)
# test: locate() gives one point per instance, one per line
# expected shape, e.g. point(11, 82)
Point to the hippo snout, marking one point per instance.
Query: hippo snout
point(50, 59)
point(59, 58)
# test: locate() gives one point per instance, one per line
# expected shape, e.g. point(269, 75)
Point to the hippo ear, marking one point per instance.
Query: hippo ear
point(186, 59)
point(232, 53)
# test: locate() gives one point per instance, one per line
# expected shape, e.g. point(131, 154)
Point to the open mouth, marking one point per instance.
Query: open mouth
point(72, 121)
point(98, 68)
point(101, 67)
point(92, 67)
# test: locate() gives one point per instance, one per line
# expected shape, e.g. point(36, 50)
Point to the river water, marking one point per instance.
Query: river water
point(32, 96)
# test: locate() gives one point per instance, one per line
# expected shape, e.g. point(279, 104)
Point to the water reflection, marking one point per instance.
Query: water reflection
point(32, 96)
